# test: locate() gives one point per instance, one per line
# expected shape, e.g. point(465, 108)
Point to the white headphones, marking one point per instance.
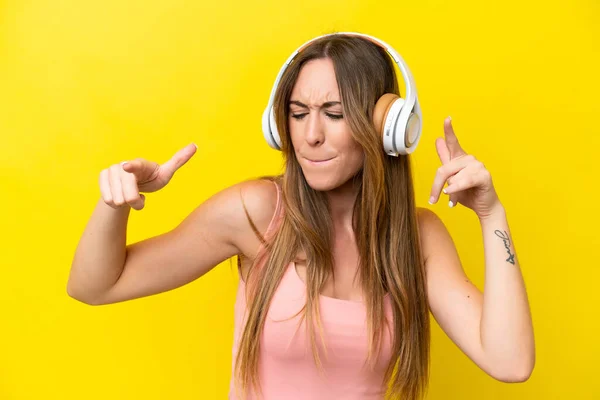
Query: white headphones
point(397, 119)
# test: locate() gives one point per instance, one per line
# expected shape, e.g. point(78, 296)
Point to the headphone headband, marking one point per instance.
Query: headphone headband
point(410, 102)
point(409, 81)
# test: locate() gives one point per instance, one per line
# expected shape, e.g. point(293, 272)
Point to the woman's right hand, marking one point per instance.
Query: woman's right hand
point(121, 184)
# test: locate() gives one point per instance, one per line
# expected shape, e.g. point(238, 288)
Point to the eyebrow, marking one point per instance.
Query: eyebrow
point(327, 104)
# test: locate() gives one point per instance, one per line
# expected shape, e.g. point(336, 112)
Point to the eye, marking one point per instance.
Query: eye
point(329, 115)
point(334, 116)
point(298, 116)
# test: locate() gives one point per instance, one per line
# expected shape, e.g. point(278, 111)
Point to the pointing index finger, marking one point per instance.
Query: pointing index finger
point(452, 140)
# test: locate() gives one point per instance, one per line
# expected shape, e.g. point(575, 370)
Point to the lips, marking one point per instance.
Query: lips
point(319, 160)
point(319, 163)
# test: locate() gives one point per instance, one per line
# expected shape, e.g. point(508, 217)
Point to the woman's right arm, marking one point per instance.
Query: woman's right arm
point(105, 270)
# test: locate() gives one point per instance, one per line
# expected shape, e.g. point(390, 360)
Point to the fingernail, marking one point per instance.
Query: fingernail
point(450, 204)
point(123, 163)
point(431, 200)
point(444, 190)
point(449, 118)
point(195, 145)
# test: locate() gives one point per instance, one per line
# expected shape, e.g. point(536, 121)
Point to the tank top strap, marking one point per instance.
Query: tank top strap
point(271, 228)
point(277, 215)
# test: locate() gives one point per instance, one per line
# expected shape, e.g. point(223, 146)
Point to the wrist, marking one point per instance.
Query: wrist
point(495, 213)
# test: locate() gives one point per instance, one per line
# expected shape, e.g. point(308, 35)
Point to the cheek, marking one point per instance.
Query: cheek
point(353, 153)
point(355, 159)
point(295, 133)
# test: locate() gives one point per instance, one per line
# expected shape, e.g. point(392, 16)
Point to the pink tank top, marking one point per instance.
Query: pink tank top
point(287, 369)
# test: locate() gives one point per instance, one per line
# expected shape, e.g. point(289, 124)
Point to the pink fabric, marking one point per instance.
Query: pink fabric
point(286, 366)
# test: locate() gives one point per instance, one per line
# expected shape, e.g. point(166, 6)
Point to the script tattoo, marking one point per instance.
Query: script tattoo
point(506, 239)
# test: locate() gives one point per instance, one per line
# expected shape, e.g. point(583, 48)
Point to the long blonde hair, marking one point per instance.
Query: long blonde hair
point(384, 222)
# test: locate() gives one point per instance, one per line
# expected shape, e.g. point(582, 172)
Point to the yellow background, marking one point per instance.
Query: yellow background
point(87, 84)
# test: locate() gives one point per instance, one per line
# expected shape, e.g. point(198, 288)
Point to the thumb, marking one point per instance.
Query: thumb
point(139, 203)
point(178, 160)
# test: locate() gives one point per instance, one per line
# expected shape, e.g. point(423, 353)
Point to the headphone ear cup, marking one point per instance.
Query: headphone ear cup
point(274, 131)
point(381, 110)
point(269, 129)
point(385, 118)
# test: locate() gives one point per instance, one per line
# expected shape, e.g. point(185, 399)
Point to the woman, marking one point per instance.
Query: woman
point(338, 267)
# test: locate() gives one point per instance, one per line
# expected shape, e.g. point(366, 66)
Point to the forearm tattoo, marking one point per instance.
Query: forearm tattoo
point(504, 236)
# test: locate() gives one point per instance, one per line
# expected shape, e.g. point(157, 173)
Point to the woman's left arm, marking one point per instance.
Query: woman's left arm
point(500, 317)
point(506, 326)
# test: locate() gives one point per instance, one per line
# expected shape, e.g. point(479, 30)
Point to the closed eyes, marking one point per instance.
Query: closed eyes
point(329, 115)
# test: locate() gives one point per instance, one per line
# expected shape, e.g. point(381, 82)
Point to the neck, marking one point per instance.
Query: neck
point(341, 203)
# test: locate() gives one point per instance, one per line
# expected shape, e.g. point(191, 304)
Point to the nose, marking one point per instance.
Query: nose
point(314, 133)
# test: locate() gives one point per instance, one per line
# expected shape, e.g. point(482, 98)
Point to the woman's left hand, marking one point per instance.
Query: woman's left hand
point(469, 182)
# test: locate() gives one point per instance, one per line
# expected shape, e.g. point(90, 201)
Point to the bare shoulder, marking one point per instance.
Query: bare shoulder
point(427, 217)
point(259, 196)
point(257, 200)
point(435, 238)
point(224, 218)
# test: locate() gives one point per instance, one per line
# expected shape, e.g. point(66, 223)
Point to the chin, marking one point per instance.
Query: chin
point(327, 179)
point(326, 182)
point(322, 185)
